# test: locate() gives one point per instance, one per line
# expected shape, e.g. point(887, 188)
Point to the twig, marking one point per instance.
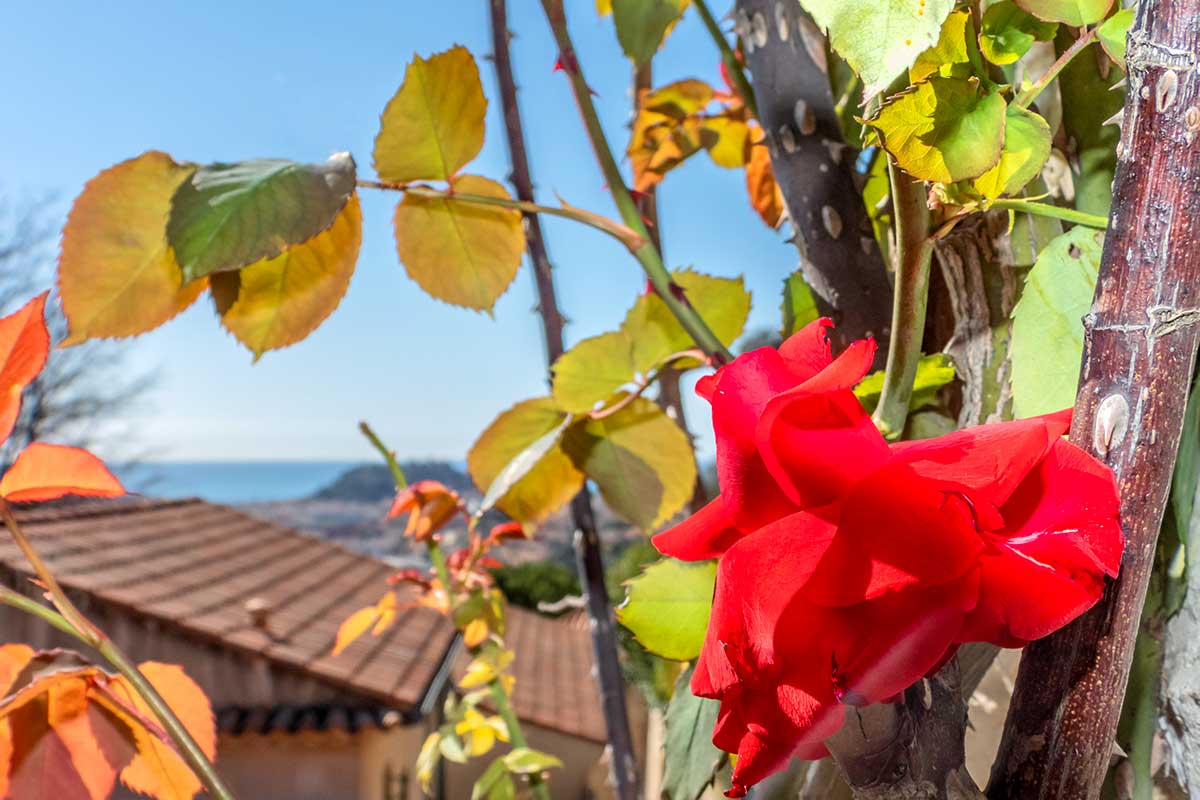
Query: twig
point(1029, 94)
point(914, 252)
point(622, 763)
point(388, 455)
point(633, 240)
point(734, 67)
point(1052, 211)
point(647, 255)
point(86, 632)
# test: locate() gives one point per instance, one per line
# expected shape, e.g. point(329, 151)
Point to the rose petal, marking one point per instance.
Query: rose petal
point(706, 534)
point(24, 345)
point(991, 459)
point(895, 530)
point(807, 351)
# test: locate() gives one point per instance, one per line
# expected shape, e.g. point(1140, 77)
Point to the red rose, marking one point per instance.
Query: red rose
point(850, 568)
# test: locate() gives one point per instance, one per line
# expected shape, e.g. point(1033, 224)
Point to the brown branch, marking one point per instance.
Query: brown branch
point(1139, 347)
point(622, 762)
point(814, 167)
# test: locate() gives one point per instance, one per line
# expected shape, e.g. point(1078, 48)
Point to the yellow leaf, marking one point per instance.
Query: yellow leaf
point(476, 632)
point(157, 770)
point(116, 274)
point(477, 734)
point(386, 608)
point(727, 141)
point(486, 668)
point(604, 7)
point(434, 124)
point(464, 253)
point(427, 759)
point(278, 301)
point(354, 626)
point(765, 196)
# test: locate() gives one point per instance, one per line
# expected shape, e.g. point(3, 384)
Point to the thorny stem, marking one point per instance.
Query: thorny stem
point(647, 254)
point(728, 57)
point(31, 606)
point(88, 633)
point(1030, 94)
point(630, 238)
point(388, 455)
point(914, 251)
point(1056, 212)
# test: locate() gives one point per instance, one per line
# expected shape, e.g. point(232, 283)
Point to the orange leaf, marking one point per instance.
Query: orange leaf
point(157, 770)
point(355, 626)
point(46, 471)
point(24, 343)
point(760, 181)
point(13, 658)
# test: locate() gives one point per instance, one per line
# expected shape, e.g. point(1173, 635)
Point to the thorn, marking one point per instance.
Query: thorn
point(1117, 119)
point(1121, 84)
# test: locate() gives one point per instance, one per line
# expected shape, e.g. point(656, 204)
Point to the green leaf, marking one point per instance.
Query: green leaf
point(1026, 148)
point(639, 459)
point(526, 761)
point(1113, 32)
point(933, 372)
point(668, 605)
point(464, 253)
point(279, 301)
point(491, 776)
point(691, 757)
point(642, 25)
point(799, 307)
point(723, 303)
point(451, 746)
point(879, 38)
point(434, 124)
point(1187, 464)
point(1072, 12)
point(548, 484)
point(950, 57)
point(231, 215)
point(1006, 32)
point(523, 464)
point(592, 370)
point(1047, 332)
point(944, 129)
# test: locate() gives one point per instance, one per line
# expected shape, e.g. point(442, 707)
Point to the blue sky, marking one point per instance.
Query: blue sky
point(87, 85)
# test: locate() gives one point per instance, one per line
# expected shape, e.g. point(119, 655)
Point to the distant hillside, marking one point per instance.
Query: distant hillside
point(373, 482)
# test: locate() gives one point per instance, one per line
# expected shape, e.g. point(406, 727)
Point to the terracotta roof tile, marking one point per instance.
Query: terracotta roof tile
point(194, 565)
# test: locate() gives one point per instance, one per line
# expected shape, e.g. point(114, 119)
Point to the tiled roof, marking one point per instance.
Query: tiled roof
point(192, 566)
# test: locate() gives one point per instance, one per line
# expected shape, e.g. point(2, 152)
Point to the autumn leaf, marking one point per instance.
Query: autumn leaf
point(592, 370)
point(117, 275)
point(461, 252)
point(434, 124)
point(24, 344)
point(548, 484)
point(353, 627)
point(156, 769)
point(48, 471)
point(279, 301)
point(765, 196)
point(228, 216)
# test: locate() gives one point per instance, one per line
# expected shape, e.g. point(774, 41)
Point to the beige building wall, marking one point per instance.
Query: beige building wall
point(569, 783)
point(309, 765)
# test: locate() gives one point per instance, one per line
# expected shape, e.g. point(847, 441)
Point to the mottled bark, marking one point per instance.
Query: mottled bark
point(814, 167)
point(1139, 347)
point(590, 563)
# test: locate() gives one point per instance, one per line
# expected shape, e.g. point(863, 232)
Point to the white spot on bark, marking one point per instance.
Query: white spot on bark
point(832, 221)
point(781, 23)
point(758, 29)
point(814, 41)
point(787, 139)
point(1166, 90)
point(806, 120)
point(1112, 421)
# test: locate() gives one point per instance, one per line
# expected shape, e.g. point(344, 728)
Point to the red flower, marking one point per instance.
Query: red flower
point(850, 568)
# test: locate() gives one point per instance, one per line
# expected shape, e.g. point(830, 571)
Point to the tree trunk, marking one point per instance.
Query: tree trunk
point(1139, 347)
point(814, 167)
point(590, 562)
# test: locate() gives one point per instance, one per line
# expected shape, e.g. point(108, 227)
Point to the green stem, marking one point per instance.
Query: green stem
point(515, 736)
point(388, 455)
point(914, 251)
point(81, 628)
point(647, 254)
point(630, 238)
point(1056, 212)
point(48, 615)
point(439, 564)
point(728, 57)
point(1030, 94)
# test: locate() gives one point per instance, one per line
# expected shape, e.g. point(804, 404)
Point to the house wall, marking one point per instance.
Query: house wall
point(309, 765)
point(579, 756)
